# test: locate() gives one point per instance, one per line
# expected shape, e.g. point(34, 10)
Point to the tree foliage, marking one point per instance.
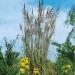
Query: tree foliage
point(8, 61)
point(71, 16)
point(66, 51)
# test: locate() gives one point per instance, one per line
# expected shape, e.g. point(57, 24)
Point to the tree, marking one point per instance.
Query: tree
point(71, 21)
point(71, 16)
point(11, 58)
point(37, 33)
point(2, 64)
point(66, 51)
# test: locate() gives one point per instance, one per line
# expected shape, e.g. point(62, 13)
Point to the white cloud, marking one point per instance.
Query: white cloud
point(61, 30)
point(11, 17)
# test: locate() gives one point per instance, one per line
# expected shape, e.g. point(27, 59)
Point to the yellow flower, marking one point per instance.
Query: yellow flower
point(26, 66)
point(22, 64)
point(66, 71)
point(66, 68)
point(24, 60)
point(22, 70)
point(36, 71)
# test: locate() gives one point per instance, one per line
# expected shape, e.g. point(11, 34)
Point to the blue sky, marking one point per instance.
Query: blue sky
point(11, 18)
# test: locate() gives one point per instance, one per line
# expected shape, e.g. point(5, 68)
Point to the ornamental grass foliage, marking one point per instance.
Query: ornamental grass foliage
point(37, 31)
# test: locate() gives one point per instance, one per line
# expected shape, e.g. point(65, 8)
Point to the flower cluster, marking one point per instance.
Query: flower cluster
point(36, 71)
point(24, 65)
point(66, 68)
